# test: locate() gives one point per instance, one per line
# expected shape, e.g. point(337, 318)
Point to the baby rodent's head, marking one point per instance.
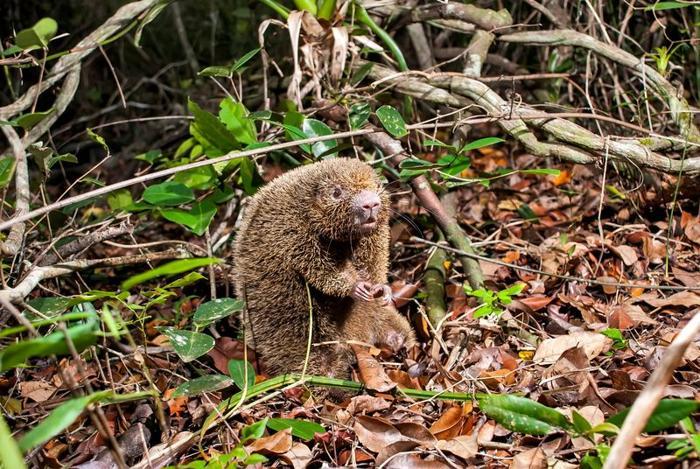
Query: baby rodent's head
point(348, 200)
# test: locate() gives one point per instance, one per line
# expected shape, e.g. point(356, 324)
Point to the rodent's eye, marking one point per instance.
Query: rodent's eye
point(337, 193)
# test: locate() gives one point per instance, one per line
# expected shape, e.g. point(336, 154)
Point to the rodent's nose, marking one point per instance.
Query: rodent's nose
point(369, 201)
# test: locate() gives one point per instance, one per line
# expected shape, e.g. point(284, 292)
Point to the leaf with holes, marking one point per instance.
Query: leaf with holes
point(207, 383)
point(392, 121)
point(187, 344)
point(214, 310)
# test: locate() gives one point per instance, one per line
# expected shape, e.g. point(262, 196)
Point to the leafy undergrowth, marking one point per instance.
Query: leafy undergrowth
point(537, 368)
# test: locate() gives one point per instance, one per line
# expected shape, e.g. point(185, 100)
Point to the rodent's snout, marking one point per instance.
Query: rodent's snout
point(368, 204)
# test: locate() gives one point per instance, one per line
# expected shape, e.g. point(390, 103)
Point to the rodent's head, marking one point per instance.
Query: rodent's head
point(348, 200)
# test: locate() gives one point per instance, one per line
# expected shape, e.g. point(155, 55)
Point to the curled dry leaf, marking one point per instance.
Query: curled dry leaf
point(393, 449)
point(593, 344)
point(367, 404)
point(449, 424)
point(691, 227)
point(626, 253)
point(371, 371)
point(277, 443)
point(299, 456)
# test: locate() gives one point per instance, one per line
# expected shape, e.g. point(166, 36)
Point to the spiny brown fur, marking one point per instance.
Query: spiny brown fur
point(293, 233)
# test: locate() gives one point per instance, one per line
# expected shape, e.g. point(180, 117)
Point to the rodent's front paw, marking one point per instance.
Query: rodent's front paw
point(362, 291)
point(384, 294)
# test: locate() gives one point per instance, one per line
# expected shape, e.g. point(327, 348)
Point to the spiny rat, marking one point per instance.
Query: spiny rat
point(324, 224)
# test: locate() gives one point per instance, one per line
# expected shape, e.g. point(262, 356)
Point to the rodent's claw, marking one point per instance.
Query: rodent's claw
point(362, 291)
point(384, 294)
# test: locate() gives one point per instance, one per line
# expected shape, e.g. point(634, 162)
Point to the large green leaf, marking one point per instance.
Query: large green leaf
point(27, 121)
point(196, 219)
point(667, 414)
point(18, 353)
point(11, 455)
point(242, 372)
point(214, 310)
point(523, 415)
point(315, 128)
point(359, 114)
point(168, 193)
point(59, 419)
point(303, 429)
point(234, 115)
point(392, 121)
point(188, 345)
point(38, 36)
point(481, 143)
point(207, 383)
point(166, 270)
point(7, 169)
point(210, 132)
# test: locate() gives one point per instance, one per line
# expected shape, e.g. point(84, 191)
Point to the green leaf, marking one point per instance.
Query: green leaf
point(27, 121)
point(581, 425)
point(523, 415)
point(97, 139)
point(120, 200)
point(660, 6)
point(196, 219)
point(215, 71)
point(201, 178)
point(166, 270)
point(315, 128)
point(185, 281)
point(392, 121)
point(11, 455)
point(151, 156)
point(413, 167)
point(52, 305)
point(667, 414)
point(214, 310)
point(38, 36)
point(242, 372)
point(207, 383)
point(303, 429)
point(187, 344)
point(482, 142)
point(210, 132)
point(513, 290)
point(234, 115)
point(605, 428)
point(7, 169)
point(253, 431)
point(244, 60)
point(359, 114)
point(111, 323)
point(253, 459)
point(361, 73)
point(18, 353)
point(168, 193)
point(59, 419)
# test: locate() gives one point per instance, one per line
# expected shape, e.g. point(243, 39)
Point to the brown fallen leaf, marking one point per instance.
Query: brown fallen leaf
point(365, 404)
point(593, 344)
point(277, 443)
point(38, 391)
point(299, 456)
point(227, 349)
point(449, 424)
point(536, 302)
point(414, 461)
point(371, 371)
point(626, 253)
point(691, 227)
point(594, 416)
point(376, 433)
point(531, 459)
point(683, 298)
point(403, 379)
point(389, 451)
point(463, 446)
